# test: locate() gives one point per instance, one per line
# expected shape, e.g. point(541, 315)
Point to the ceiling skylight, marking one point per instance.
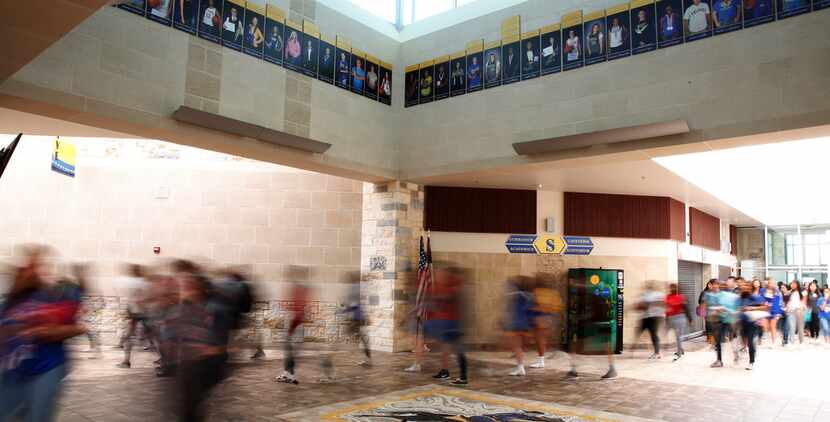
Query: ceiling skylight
point(782, 183)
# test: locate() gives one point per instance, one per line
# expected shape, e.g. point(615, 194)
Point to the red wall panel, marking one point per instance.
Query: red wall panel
point(704, 229)
point(630, 216)
point(477, 210)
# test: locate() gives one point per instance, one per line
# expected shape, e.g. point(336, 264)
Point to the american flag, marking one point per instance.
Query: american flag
point(424, 279)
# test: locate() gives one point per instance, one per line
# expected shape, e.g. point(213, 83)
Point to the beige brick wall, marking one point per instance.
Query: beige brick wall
point(136, 72)
point(224, 212)
point(757, 80)
point(487, 285)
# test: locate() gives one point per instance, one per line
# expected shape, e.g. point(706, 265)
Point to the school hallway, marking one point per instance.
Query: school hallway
point(687, 390)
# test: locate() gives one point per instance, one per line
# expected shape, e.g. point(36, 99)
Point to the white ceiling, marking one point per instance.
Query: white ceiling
point(728, 167)
point(778, 184)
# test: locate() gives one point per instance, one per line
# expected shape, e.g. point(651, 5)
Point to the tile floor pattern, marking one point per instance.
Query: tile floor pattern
point(97, 391)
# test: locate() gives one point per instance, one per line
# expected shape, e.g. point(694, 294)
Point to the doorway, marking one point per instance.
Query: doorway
point(690, 282)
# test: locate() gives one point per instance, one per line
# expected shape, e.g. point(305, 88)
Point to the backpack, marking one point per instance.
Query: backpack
point(547, 300)
point(245, 301)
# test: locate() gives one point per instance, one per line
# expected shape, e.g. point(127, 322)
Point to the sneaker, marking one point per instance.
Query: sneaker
point(612, 373)
point(442, 375)
point(366, 363)
point(518, 372)
point(750, 367)
point(258, 355)
point(655, 356)
point(326, 380)
point(286, 378)
point(717, 364)
point(123, 365)
point(413, 368)
point(540, 364)
point(459, 381)
point(572, 374)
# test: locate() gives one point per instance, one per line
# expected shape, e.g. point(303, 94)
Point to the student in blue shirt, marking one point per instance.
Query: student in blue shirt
point(772, 296)
point(727, 13)
point(35, 320)
point(722, 307)
point(823, 303)
point(343, 69)
point(670, 24)
point(753, 309)
point(358, 75)
point(474, 73)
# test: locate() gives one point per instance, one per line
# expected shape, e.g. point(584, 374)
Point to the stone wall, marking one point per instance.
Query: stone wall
point(392, 225)
point(105, 317)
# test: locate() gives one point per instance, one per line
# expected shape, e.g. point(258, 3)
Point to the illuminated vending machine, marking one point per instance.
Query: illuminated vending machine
point(595, 311)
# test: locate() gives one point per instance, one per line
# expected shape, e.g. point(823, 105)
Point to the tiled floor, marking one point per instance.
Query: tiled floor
point(782, 388)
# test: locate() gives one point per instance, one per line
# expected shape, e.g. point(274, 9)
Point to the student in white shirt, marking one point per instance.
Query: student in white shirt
point(697, 18)
point(163, 10)
point(210, 12)
point(795, 312)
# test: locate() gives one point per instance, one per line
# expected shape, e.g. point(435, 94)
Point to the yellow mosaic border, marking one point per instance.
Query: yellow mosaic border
point(468, 395)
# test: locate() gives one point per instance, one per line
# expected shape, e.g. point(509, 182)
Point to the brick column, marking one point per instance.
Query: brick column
point(392, 224)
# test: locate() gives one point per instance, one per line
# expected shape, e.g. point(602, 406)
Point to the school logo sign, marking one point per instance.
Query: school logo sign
point(549, 244)
point(63, 158)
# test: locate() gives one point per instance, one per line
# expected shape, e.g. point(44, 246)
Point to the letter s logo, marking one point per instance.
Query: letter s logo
point(550, 245)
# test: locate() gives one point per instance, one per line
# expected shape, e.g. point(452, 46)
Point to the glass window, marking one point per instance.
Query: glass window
point(385, 9)
point(463, 2)
point(408, 10)
point(427, 8)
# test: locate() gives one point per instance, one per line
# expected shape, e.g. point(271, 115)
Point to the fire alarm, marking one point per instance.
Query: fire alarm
point(156, 250)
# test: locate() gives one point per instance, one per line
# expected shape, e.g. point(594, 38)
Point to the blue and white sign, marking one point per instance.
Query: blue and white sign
point(521, 243)
point(578, 245)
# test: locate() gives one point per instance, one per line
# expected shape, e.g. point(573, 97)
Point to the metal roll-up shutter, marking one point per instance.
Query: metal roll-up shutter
point(690, 282)
point(724, 272)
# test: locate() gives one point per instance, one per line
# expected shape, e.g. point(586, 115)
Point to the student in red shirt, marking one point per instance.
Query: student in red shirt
point(443, 322)
point(678, 316)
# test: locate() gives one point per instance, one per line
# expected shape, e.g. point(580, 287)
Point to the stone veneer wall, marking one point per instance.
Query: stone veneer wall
point(268, 322)
point(392, 223)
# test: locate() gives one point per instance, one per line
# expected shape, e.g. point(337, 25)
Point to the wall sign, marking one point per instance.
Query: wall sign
point(549, 244)
point(63, 158)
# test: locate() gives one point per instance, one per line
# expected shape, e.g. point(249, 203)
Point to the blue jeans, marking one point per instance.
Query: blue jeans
point(825, 327)
point(36, 396)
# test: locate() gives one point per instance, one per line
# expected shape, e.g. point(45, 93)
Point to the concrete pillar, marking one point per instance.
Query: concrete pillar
point(392, 224)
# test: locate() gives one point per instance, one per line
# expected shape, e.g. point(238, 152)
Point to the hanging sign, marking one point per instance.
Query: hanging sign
point(63, 158)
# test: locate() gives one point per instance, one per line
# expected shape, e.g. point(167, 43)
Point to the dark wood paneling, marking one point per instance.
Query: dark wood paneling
point(704, 229)
point(631, 216)
point(733, 240)
point(477, 210)
point(677, 220)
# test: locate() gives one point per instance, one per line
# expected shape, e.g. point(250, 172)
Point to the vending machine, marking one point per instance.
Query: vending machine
point(595, 311)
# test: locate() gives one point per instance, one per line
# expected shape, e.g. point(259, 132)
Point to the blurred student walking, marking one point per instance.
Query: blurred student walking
point(679, 316)
point(653, 305)
point(35, 320)
point(753, 309)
